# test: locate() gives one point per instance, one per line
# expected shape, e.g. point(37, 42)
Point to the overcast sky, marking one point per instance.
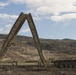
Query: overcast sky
point(54, 19)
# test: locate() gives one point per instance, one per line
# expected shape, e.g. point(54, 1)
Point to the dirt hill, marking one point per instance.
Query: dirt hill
point(23, 48)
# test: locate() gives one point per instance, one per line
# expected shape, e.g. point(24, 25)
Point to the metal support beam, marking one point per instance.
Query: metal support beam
point(15, 29)
point(35, 37)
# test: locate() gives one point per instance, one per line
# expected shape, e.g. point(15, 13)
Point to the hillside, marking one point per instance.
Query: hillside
point(23, 48)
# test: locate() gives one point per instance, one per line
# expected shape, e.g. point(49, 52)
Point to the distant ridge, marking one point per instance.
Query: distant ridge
point(65, 45)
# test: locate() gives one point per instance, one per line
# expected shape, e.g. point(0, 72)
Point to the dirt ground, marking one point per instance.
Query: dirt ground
point(52, 71)
point(39, 73)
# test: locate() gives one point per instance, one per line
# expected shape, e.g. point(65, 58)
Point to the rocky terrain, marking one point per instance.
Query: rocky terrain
point(23, 48)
